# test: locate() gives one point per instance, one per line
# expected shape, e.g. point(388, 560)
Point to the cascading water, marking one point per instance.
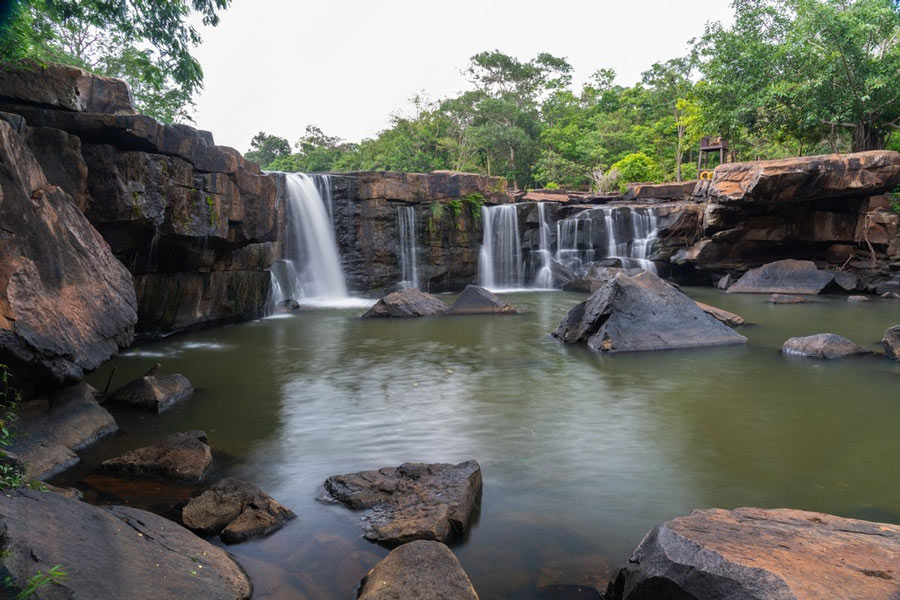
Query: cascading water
point(406, 227)
point(310, 268)
point(500, 261)
point(627, 233)
point(544, 278)
point(574, 243)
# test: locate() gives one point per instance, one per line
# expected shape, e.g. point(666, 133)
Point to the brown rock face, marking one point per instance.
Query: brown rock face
point(420, 569)
point(891, 342)
point(649, 192)
point(158, 393)
point(783, 277)
point(822, 345)
point(66, 88)
point(806, 178)
point(414, 501)
point(111, 552)
point(756, 554)
point(236, 510)
point(182, 456)
point(66, 303)
point(406, 303)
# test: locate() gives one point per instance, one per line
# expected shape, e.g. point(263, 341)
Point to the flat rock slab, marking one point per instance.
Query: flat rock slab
point(407, 303)
point(182, 456)
point(786, 299)
point(755, 554)
point(418, 570)
point(236, 511)
point(729, 318)
point(891, 342)
point(639, 313)
point(51, 430)
point(158, 393)
point(783, 277)
point(475, 300)
point(111, 552)
point(414, 501)
point(822, 345)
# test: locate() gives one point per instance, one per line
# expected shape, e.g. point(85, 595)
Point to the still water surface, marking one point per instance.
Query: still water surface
point(581, 454)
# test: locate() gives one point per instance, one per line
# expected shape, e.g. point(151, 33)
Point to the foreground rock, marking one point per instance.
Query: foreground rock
point(752, 553)
point(111, 552)
point(410, 302)
point(182, 456)
point(822, 345)
point(891, 342)
point(475, 300)
point(786, 299)
point(236, 511)
point(414, 501)
point(642, 313)
point(66, 303)
point(783, 277)
point(729, 318)
point(50, 430)
point(158, 393)
point(420, 569)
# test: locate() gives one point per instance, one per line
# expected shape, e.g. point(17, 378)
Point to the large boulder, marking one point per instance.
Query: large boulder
point(51, 430)
point(66, 303)
point(756, 554)
point(783, 277)
point(420, 569)
point(158, 393)
point(110, 552)
point(822, 345)
point(181, 456)
point(891, 342)
point(475, 300)
point(642, 313)
point(236, 511)
point(806, 178)
point(414, 501)
point(410, 302)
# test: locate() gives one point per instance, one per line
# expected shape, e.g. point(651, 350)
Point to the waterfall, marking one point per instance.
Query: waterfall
point(500, 259)
point(544, 278)
point(310, 268)
point(406, 227)
point(574, 243)
point(630, 233)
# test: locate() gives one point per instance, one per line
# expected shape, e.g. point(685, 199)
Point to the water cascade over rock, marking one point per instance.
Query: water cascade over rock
point(623, 232)
point(406, 246)
point(500, 261)
point(544, 278)
point(310, 268)
point(575, 246)
point(630, 233)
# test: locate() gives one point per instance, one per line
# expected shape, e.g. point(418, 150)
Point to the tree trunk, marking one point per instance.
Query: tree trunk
point(867, 137)
point(678, 152)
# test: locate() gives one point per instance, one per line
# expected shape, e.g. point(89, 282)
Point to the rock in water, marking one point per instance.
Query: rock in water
point(158, 393)
point(182, 456)
point(475, 300)
point(410, 302)
point(729, 318)
point(783, 277)
point(822, 345)
point(725, 282)
point(857, 298)
point(414, 501)
point(236, 510)
point(111, 551)
point(642, 313)
point(891, 342)
point(785, 299)
point(755, 554)
point(420, 569)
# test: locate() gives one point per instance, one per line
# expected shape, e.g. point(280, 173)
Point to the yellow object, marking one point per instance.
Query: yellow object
point(706, 175)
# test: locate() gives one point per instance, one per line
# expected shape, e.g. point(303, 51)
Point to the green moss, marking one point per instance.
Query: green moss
point(213, 216)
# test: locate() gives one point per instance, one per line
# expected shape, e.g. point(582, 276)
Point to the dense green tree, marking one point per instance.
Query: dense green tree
point(265, 148)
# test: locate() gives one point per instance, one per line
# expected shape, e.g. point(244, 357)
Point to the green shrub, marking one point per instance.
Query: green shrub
point(551, 185)
point(636, 167)
point(54, 574)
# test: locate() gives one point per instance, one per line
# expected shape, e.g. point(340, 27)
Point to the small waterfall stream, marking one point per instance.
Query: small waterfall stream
point(544, 278)
point(406, 242)
point(500, 260)
point(626, 233)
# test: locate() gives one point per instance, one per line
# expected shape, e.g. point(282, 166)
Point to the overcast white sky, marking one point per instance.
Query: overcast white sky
point(346, 65)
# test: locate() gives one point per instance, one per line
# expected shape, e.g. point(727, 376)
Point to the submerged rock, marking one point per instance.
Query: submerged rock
point(475, 300)
point(414, 501)
point(857, 298)
point(236, 510)
point(729, 318)
point(891, 342)
point(51, 430)
point(111, 551)
point(410, 302)
point(822, 345)
point(420, 569)
point(786, 299)
point(182, 456)
point(753, 553)
point(158, 393)
point(783, 277)
point(642, 313)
